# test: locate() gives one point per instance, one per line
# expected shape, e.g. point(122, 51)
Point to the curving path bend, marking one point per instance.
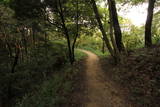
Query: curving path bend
point(99, 92)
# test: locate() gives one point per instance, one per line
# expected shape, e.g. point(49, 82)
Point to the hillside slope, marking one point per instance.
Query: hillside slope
point(138, 75)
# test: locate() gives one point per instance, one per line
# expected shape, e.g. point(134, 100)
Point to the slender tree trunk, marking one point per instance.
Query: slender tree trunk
point(103, 46)
point(45, 42)
point(106, 40)
point(148, 32)
point(65, 31)
point(24, 41)
point(15, 62)
point(33, 35)
point(9, 49)
point(116, 51)
point(16, 58)
point(21, 55)
point(77, 27)
point(116, 26)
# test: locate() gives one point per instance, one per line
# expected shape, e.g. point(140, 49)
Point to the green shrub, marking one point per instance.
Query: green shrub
point(30, 72)
point(133, 42)
point(93, 44)
point(79, 55)
point(156, 39)
point(52, 93)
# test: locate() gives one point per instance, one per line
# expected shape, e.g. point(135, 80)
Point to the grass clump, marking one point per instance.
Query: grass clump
point(53, 92)
point(79, 55)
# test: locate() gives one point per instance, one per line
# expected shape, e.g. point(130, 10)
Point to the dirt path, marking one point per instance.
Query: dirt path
point(99, 91)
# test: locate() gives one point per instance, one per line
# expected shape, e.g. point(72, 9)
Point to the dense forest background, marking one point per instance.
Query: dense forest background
point(40, 42)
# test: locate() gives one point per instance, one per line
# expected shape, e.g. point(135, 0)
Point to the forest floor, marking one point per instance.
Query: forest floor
point(138, 75)
point(134, 82)
point(95, 89)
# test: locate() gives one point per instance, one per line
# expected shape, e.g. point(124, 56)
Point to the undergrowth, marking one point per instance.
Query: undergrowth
point(42, 78)
point(53, 92)
point(139, 74)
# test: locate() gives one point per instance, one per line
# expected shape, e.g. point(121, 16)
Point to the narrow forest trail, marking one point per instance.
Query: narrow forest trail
point(99, 92)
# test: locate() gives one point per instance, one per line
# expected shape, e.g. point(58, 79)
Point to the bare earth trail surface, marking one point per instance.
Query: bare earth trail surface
point(100, 92)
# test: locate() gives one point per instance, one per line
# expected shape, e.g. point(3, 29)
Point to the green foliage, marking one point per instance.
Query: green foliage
point(156, 28)
point(97, 52)
point(134, 2)
point(134, 39)
point(132, 42)
point(156, 39)
point(4, 1)
point(33, 71)
point(93, 44)
point(27, 9)
point(79, 55)
point(52, 93)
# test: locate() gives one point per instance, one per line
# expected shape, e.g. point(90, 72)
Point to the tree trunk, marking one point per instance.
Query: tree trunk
point(116, 50)
point(15, 62)
point(77, 34)
point(65, 31)
point(103, 46)
point(45, 42)
point(24, 41)
point(106, 40)
point(116, 26)
point(148, 38)
point(16, 58)
point(33, 35)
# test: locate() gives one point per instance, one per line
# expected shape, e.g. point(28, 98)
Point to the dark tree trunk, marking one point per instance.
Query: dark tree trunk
point(15, 62)
point(9, 49)
point(65, 31)
point(116, 26)
point(106, 40)
point(15, 58)
point(116, 50)
point(77, 28)
point(148, 37)
point(33, 35)
point(103, 46)
point(24, 41)
point(45, 42)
